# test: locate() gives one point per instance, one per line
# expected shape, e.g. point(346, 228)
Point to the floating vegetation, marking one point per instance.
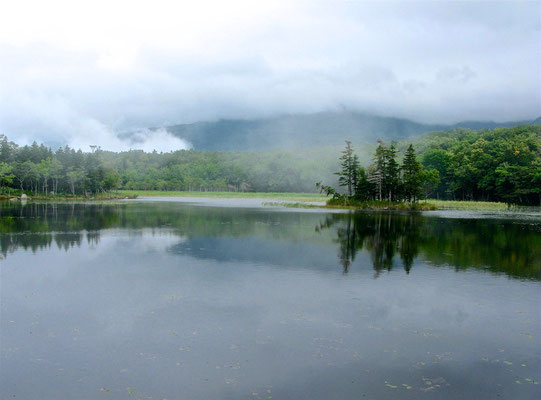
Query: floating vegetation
point(131, 390)
point(407, 386)
point(403, 386)
point(530, 381)
point(426, 334)
point(434, 383)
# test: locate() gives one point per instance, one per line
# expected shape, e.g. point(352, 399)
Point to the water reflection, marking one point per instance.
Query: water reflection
point(148, 300)
point(260, 236)
point(499, 246)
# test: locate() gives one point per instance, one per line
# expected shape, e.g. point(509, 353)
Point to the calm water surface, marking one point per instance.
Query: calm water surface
point(231, 300)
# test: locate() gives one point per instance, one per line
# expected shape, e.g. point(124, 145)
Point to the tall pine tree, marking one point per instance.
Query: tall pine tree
point(392, 174)
point(377, 177)
point(348, 176)
point(411, 169)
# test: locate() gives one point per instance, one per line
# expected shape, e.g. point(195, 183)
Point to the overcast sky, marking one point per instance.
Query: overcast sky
point(79, 72)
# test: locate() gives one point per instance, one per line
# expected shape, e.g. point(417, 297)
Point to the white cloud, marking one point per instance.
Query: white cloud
point(158, 139)
point(37, 114)
point(72, 72)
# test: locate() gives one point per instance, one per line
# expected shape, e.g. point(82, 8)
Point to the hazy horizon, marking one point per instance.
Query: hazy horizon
point(80, 74)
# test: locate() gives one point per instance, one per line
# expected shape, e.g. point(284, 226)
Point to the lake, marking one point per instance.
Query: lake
point(227, 299)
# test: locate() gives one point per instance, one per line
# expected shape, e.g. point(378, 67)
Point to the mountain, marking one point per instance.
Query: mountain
point(309, 130)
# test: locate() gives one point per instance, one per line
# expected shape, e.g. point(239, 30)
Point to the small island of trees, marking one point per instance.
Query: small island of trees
point(385, 183)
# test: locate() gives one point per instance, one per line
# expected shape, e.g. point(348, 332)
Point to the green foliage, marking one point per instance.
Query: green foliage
point(379, 205)
point(329, 191)
point(411, 176)
point(40, 171)
point(385, 182)
point(501, 165)
point(364, 188)
point(391, 174)
point(6, 177)
point(490, 165)
point(348, 176)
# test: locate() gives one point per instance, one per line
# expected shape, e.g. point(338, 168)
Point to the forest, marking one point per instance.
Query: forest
point(502, 164)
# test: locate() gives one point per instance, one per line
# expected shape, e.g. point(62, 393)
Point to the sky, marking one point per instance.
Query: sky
point(83, 72)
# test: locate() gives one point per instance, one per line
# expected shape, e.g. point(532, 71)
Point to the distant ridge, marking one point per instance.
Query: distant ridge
point(311, 130)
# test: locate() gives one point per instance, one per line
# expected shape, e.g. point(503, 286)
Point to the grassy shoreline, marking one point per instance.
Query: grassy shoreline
point(367, 205)
point(380, 205)
point(295, 200)
point(68, 197)
point(295, 197)
point(471, 205)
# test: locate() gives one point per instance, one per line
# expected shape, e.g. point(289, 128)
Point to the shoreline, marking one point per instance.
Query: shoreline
point(290, 200)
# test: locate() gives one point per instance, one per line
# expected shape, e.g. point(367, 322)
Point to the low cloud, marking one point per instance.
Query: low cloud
point(54, 121)
point(85, 77)
point(456, 74)
point(156, 139)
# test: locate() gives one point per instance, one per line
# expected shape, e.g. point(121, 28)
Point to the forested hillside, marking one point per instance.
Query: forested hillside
point(310, 130)
point(503, 164)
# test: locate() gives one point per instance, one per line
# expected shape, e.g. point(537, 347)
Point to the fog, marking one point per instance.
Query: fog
point(84, 74)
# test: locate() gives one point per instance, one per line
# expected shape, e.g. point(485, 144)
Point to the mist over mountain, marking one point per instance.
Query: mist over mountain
point(309, 130)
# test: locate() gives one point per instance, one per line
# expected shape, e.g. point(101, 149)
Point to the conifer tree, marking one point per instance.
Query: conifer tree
point(392, 174)
point(377, 177)
point(411, 169)
point(364, 189)
point(350, 166)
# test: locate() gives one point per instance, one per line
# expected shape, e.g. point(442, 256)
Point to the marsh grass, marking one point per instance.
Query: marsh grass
point(471, 205)
point(298, 200)
point(380, 205)
point(294, 197)
point(357, 205)
point(291, 205)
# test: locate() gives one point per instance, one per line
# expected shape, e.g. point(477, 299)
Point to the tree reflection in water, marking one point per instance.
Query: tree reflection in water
point(500, 246)
point(508, 246)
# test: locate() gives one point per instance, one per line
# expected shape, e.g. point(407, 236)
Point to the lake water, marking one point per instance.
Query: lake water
point(226, 299)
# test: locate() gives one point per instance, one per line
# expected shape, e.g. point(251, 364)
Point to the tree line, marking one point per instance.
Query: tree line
point(37, 169)
point(493, 165)
point(502, 165)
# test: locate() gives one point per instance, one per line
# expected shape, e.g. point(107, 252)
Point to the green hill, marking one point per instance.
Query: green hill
point(310, 130)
